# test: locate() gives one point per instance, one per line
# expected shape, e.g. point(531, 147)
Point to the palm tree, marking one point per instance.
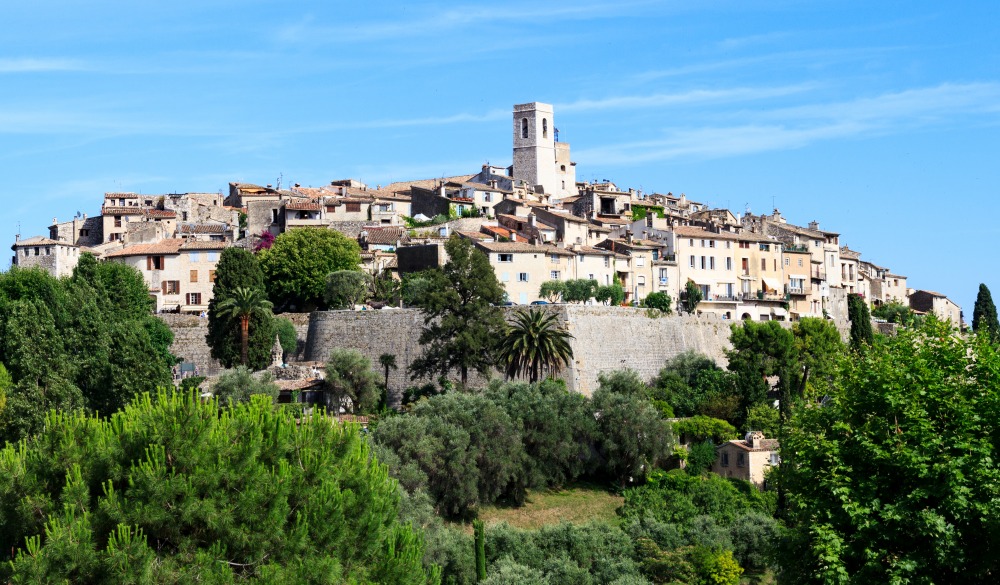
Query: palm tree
point(387, 360)
point(244, 303)
point(534, 341)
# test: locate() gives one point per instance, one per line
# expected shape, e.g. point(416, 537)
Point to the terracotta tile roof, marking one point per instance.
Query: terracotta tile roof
point(386, 235)
point(169, 246)
point(482, 187)
point(523, 248)
point(110, 210)
point(593, 250)
point(41, 241)
point(123, 195)
point(291, 385)
point(161, 213)
point(426, 183)
point(303, 206)
point(204, 245)
point(203, 228)
point(765, 445)
point(692, 231)
point(495, 230)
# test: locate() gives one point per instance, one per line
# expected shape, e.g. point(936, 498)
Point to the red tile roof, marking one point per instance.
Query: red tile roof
point(169, 246)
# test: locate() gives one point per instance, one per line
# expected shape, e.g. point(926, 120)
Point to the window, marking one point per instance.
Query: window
point(786, 261)
point(193, 298)
point(171, 287)
point(728, 244)
point(36, 250)
point(554, 275)
point(775, 264)
point(691, 242)
point(692, 261)
point(745, 245)
point(194, 256)
point(486, 199)
point(274, 216)
point(524, 127)
point(352, 207)
point(640, 280)
point(711, 243)
point(211, 276)
point(703, 243)
point(505, 257)
point(84, 233)
point(184, 216)
point(545, 128)
point(741, 460)
point(194, 276)
point(213, 256)
point(711, 262)
point(729, 263)
point(763, 264)
point(555, 259)
point(725, 459)
point(154, 262)
point(640, 261)
point(775, 459)
point(522, 277)
point(118, 221)
point(607, 262)
point(765, 247)
point(703, 264)
point(505, 277)
point(800, 262)
point(663, 276)
point(48, 250)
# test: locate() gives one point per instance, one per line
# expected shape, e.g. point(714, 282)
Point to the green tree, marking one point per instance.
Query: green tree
point(346, 288)
point(762, 350)
point(385, 288)
point(534, 342)
point(692, 384)
point(553, 290)
point(349, 377)
point(632, 438)
point(238, 268)
point(288, 337)
point(861, 323)
point(297, 265)
point(388, 362)
point(660, 301)
point(557, 427)
point(461, 320)
point(894, 312)
point(243, 304)
point(580, 290)
point(480, 530)
point(612, 294)
point(984, 314)
point(167, 490)
point(236, 386)
point(692, 296)
point(818, 353)
point(896, 476)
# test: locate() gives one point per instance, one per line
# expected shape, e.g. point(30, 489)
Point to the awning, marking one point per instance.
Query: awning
point(768, 285)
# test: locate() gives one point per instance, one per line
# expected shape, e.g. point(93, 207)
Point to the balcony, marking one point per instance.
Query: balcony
point(796, 248)
point(798, 290)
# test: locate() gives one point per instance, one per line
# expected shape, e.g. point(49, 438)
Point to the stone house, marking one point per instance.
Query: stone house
point(522, 267)
point(180, 273)
point(748, 459)
point(57, 258)
point(634, 264)
point(928, 301)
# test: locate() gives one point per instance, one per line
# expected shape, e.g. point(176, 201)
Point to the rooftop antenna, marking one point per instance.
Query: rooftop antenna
point(280, 176)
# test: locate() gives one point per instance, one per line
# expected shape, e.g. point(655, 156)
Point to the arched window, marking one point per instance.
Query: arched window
point(524, 127)
point(545, 128)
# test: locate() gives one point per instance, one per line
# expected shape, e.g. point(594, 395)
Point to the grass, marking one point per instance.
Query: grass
point(578, 504)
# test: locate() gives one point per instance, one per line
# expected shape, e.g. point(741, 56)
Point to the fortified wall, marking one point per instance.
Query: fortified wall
point(604, 339)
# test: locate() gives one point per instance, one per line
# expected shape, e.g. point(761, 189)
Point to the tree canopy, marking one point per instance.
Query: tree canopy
point(297, 265)
point(237, 269)
point(861, 323)
point(169, 490)
point(896, 476)
point(461, 319)
point(533, 343)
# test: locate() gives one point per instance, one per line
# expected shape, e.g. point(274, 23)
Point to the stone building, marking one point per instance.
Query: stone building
point(928, 301)
point(57, 258)
point(540, 160)
point(749, 459)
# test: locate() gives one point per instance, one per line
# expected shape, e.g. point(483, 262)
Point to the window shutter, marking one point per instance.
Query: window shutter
point(149, 262)
point(163, 287)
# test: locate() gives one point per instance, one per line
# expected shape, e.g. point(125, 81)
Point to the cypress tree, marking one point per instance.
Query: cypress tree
point(480, 530)
point(861, 322)
point(984, 315)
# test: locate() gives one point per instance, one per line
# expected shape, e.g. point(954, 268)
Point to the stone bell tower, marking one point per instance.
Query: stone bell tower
point(536, 151)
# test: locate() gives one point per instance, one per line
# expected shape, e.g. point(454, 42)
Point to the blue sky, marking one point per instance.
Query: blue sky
point(879, 120)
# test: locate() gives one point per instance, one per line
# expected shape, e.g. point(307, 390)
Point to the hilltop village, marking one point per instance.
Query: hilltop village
point(533, 219)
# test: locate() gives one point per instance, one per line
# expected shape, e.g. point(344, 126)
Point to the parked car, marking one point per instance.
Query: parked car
point(539, 302)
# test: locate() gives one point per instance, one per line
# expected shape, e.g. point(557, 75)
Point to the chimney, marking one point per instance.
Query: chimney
point(814, 225)
point(513, 236)
point(54, 221)
point(628, 236)
point(531, 220)
point(442, 190)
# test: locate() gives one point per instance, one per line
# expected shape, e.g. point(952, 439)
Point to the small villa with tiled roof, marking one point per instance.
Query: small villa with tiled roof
point(748, 459)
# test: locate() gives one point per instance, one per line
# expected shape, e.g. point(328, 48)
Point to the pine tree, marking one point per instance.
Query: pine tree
point(984, 315)
point(861, 322)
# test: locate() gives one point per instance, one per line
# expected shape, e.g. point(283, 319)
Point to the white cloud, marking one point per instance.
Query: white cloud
point(38, 65)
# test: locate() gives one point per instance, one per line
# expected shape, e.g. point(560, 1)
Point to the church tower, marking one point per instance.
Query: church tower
point(535, 147)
